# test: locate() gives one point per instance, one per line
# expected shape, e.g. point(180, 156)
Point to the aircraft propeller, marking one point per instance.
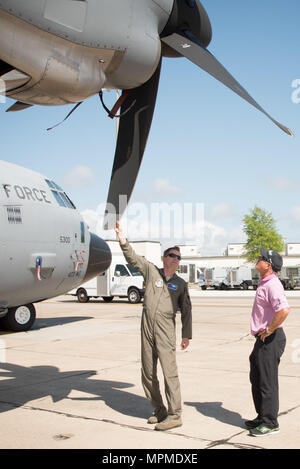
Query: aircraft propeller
point(187, 34)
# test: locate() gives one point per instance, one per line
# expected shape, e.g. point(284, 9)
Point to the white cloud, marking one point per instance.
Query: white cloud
point(221, 210)
point(78, 177)
point(164, 186)
point(295, 213)
point(281, 184)
point(143, 222)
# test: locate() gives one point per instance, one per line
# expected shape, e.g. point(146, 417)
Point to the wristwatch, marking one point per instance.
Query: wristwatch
point(268, 331)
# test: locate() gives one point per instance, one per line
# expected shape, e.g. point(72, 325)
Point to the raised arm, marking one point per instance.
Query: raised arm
point(138, 262)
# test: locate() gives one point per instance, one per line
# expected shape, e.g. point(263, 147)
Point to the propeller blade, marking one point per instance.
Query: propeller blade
point(190, 47)
point(18, 106)
point(133, 131)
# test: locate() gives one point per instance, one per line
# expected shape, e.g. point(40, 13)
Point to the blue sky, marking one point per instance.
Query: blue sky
point(206, 146)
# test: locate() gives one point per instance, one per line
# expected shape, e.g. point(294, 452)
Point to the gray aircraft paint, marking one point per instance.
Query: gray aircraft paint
point(36, 228)
point(73, 51)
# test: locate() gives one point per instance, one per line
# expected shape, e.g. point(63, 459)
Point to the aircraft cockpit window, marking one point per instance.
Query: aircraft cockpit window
point(69, 201)
point(60, 196)
point(66, 200)
point(53, 185)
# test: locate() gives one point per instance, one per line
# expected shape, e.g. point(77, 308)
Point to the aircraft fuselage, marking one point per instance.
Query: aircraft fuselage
point(45, 246)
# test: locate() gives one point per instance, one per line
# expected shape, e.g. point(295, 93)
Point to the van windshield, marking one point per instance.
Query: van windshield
point(133, 271)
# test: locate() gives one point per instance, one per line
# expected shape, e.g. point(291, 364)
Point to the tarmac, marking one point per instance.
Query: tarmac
point(73, 381)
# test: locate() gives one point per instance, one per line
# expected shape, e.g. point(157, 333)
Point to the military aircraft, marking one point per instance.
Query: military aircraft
point(45, 246)
point(55, 52)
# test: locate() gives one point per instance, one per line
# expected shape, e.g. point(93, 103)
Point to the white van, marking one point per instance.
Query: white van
point(120, 280)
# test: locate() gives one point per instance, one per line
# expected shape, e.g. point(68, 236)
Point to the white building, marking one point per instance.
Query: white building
point(149, 249)
point(233, 257)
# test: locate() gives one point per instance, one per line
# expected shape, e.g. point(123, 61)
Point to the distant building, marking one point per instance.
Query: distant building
point(293, 249)
point(233, 256)
point(235, 249)
point(193, 263)
point(149, 249)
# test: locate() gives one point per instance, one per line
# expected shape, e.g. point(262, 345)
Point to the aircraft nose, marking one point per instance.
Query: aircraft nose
point(99, 258)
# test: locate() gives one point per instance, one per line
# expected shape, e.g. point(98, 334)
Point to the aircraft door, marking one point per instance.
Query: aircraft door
point(80, 254)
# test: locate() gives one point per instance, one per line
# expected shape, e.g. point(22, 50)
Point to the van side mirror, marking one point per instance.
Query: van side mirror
point(118, 273)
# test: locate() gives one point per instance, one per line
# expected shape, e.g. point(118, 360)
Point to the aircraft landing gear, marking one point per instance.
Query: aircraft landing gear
point(19, 318)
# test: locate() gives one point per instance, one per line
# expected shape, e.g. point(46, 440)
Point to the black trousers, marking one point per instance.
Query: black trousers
point(264, 362)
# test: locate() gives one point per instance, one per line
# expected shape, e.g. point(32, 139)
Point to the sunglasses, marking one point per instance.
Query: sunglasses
point(174, 256)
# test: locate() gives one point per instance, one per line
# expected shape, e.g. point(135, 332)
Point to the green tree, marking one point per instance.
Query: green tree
point(260, 229)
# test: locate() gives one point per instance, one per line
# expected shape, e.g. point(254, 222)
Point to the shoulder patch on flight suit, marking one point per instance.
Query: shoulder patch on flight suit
point(159, 283)
point(172, 286)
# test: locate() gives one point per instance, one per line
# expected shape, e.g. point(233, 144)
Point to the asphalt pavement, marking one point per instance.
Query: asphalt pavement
point(73, 381)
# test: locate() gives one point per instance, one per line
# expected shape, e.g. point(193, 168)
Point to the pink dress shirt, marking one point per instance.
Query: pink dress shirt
point(269, 299)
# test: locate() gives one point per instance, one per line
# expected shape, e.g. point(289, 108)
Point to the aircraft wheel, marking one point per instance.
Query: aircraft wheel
point(19, 318)
point(82, 296)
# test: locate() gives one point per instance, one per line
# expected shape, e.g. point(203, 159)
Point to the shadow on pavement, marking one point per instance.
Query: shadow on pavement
point(40, 323)
point(19, 385)
point(217, 412)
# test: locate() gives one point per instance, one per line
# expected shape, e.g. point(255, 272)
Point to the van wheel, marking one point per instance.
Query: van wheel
point(19, 318)
point(134, 296)
point(107, 299)
point(82, 296)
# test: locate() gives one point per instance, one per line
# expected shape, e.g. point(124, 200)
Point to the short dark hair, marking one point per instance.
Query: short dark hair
point(176, 248)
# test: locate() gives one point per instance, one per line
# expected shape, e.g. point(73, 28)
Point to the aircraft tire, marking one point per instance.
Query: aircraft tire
point(20, 318)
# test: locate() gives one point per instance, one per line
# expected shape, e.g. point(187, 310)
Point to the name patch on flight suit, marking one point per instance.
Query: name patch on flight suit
point(172, 286)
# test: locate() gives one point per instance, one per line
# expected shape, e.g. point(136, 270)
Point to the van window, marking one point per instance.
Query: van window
point(134, 272)
point(122, 269)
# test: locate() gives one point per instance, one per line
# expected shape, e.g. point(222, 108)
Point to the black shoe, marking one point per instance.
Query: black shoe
point(262, 430)
point(253, 423)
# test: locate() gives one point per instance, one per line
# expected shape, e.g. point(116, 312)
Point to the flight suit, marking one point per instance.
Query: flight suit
point(163, 298)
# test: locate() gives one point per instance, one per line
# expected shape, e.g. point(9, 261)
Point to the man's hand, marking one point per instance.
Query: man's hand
point(184, 344)
point(264, 334)
point(119, 233)
point(278, 319)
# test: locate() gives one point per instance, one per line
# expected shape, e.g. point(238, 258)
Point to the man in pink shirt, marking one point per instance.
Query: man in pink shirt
point(269, 310)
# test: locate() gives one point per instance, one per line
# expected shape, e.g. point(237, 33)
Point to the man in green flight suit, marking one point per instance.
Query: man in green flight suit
point(165, 294)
